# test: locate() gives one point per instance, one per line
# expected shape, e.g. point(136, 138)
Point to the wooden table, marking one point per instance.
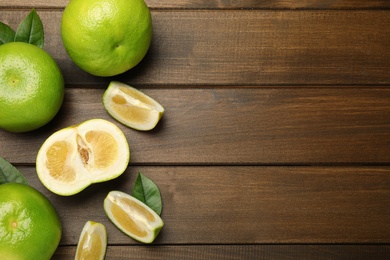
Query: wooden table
point(276, 137)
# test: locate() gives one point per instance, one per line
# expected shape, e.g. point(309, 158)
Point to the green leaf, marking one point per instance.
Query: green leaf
point(147, 191)
point(6, 33)
point(30, 30)
point(9, 173)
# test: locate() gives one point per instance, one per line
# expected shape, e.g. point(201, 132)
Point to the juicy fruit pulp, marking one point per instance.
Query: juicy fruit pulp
point(92, 242)
point(132, 107)
point(29, 225)
point(106, 37)
point(132, 216)
point(31, 87)
point(75, 157)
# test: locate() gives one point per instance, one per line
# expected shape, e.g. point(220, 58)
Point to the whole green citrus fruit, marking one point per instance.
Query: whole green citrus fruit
point(29, 225)
point(31, 87)
point(106, 37)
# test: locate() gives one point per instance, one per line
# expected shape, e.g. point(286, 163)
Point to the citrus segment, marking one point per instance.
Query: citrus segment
point(75, 157)
point(57, 163)
point(132, 217)
point(29, 224)
point(104, 148)
point(132, 107)
point(92, 242)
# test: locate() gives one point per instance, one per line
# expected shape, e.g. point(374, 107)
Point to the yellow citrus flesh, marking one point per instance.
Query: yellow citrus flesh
point(104, 147)
point(106, 37)
point(132, 107)
point(132, 216)
point(30, 227)
point(31, 87)
point(75, 157)
point(57, 162)
point(92, 242)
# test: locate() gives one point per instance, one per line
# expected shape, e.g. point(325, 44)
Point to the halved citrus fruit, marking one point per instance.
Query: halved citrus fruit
point(132, 107)
point(132, 216)
point(75, 157)
point(92, 242)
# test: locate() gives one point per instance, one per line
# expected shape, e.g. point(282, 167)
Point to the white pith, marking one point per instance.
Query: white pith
point(156, 111)
point(90, 228)
point(86, 173)
point(152, 228)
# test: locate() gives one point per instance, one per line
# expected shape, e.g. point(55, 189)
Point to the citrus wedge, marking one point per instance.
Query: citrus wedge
point(132, 217)
point(92, 242)
point(132, 107)
point(75, 157)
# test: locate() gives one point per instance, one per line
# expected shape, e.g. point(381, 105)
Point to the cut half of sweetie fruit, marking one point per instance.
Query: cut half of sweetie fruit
point(75, 157)
point(132, 107)
point(132, 216)
point(92, 242)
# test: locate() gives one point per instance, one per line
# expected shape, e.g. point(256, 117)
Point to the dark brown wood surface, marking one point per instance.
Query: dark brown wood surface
point(258, 126)
point(223, 4)
point(247, 48)
point(275, 143)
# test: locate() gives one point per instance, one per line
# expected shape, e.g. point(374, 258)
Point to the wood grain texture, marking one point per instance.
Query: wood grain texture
point(275, 143)
point(229, 126)
point(245, 205)
point(223, 4)
point(239, 252)
point(172, 252)
point(247, 48)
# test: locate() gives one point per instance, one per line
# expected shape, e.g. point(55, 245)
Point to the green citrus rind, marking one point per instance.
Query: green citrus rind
point(85, 174)
point(30, 227)
point(31, 87)
point(106, 37)
point(137, 220)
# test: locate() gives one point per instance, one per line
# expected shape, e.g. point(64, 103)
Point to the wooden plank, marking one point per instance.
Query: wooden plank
point(207, 4)
point(248, 48)
point(233, 126)
point(245, 205)
point(201, 252)
point(172, 252)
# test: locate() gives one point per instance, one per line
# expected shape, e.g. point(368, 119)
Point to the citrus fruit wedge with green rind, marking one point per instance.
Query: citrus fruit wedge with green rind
point(132, 217)
point(92, 242)
point(30, 227)
point(31, 87)
point(132, 107)
point(75, 157)
point(106, 37)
